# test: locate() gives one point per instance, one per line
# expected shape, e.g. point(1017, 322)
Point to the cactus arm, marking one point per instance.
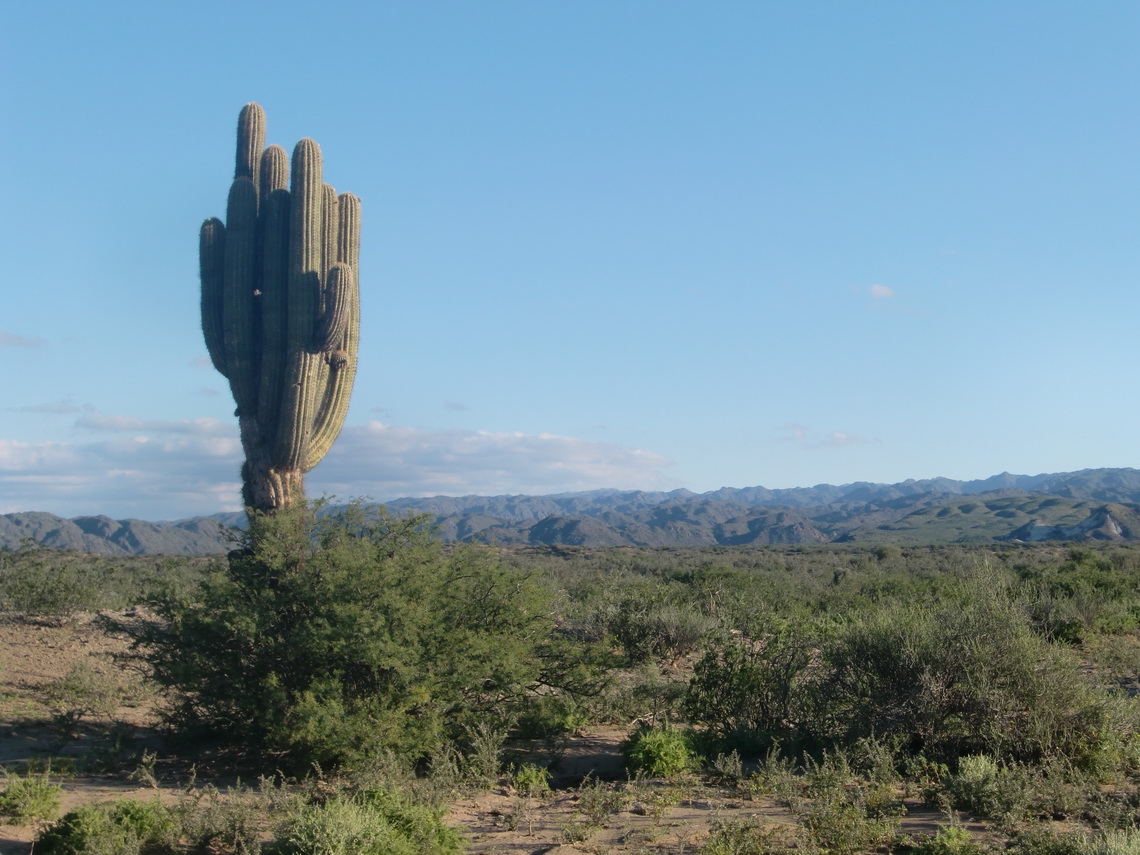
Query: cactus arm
point(330, 216)
point(348, 231)
point(340, 355)
point(241, 328)
point(274, 173)
point(211, 261)
point(307, 371)
point(251, 140)
point(337, 296)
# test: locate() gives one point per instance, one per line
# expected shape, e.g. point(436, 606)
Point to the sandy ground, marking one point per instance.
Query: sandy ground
point(647, 817)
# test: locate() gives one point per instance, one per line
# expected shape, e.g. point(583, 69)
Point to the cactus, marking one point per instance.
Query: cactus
point(281, 309)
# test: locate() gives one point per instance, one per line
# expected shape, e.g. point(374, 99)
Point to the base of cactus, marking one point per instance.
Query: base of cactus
point(267, 489)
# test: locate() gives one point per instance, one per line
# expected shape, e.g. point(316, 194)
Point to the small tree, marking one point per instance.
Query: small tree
point(332, 635)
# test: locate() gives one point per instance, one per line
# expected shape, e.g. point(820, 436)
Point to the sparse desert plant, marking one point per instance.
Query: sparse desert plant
point(728, 768)
point(29, 797)
point(1125, 841)
point(235, 819)
point(949, 840)
point(121, 827)
point(483, 746)
point(661, 752)
point(84, 691)
point(1043, 840)
point(599, 800)
point(983, 786)
point(531, 781)
point(374, 822)
point(748, 836)
point(337, 826)
point(839, 822)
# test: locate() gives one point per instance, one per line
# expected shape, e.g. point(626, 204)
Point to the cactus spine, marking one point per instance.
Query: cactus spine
point(281, 309)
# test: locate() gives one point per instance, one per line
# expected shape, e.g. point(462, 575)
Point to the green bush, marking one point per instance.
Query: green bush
point(531, 781)
point(658, 631)
point(951, 840)
point(983, 787)
point(58, 584)
point(28, 797)
point(661, 752)
point(965, 676)
point(373, 823)
point(752, 690)
point(332, 636)
point(121, 827)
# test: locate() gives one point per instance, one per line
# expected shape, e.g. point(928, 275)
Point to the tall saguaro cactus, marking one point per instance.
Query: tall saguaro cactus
point(281, 309)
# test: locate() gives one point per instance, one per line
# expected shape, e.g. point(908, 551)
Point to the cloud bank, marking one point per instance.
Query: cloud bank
point(157, 470)
point(11, 339)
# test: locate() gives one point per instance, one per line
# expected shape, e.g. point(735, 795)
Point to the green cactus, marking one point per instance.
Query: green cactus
point(281, 309)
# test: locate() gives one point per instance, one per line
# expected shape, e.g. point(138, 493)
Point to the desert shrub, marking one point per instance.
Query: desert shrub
point(838, 821)
point(58, 584)
point(482, 746)
point(531, 781)
point(751, 690)
point(28, 797)
point(342, 825)
point(333, 636)
point(652, 631)
point(598, 801)
point(547, 716)
point(1087, 593)
point(122, 827)
point(659, 751)
point(84, 691)
point(950, 840)
point(964, 676)
point(747, 836)
point(984, 787)
point(48, 583)
point(1043, 840)
point(1114, 842)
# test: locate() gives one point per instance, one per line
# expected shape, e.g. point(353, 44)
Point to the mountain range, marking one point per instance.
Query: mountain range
point(1092, 504)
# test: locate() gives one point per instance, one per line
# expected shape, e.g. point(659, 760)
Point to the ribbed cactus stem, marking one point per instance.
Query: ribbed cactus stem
point(212, 261)
point(240, 326)
point(251, 140)
point(281, 309)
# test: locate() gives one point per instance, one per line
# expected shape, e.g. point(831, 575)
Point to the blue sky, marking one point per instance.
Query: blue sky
point(606, 243)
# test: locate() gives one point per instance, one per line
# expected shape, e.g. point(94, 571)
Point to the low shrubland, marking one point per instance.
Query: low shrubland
point(835, 681)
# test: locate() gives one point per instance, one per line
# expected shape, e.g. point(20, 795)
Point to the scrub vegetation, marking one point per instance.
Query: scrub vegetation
point(378, 683)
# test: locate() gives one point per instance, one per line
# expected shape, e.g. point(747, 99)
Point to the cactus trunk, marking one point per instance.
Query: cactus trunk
point(281, 310)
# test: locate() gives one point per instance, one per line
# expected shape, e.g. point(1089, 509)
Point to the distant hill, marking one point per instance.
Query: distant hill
point(1093, 504)
point(105, 536)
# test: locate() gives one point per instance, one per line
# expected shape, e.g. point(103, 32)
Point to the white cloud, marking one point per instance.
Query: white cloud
point(881, 292)
point(795, 431)
point(197, 427)
point(387, 462)
point(65, 406)
point(154, 470)
point(838, 439)
point(10, 339)
point(145, 477)
point(802, 435)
